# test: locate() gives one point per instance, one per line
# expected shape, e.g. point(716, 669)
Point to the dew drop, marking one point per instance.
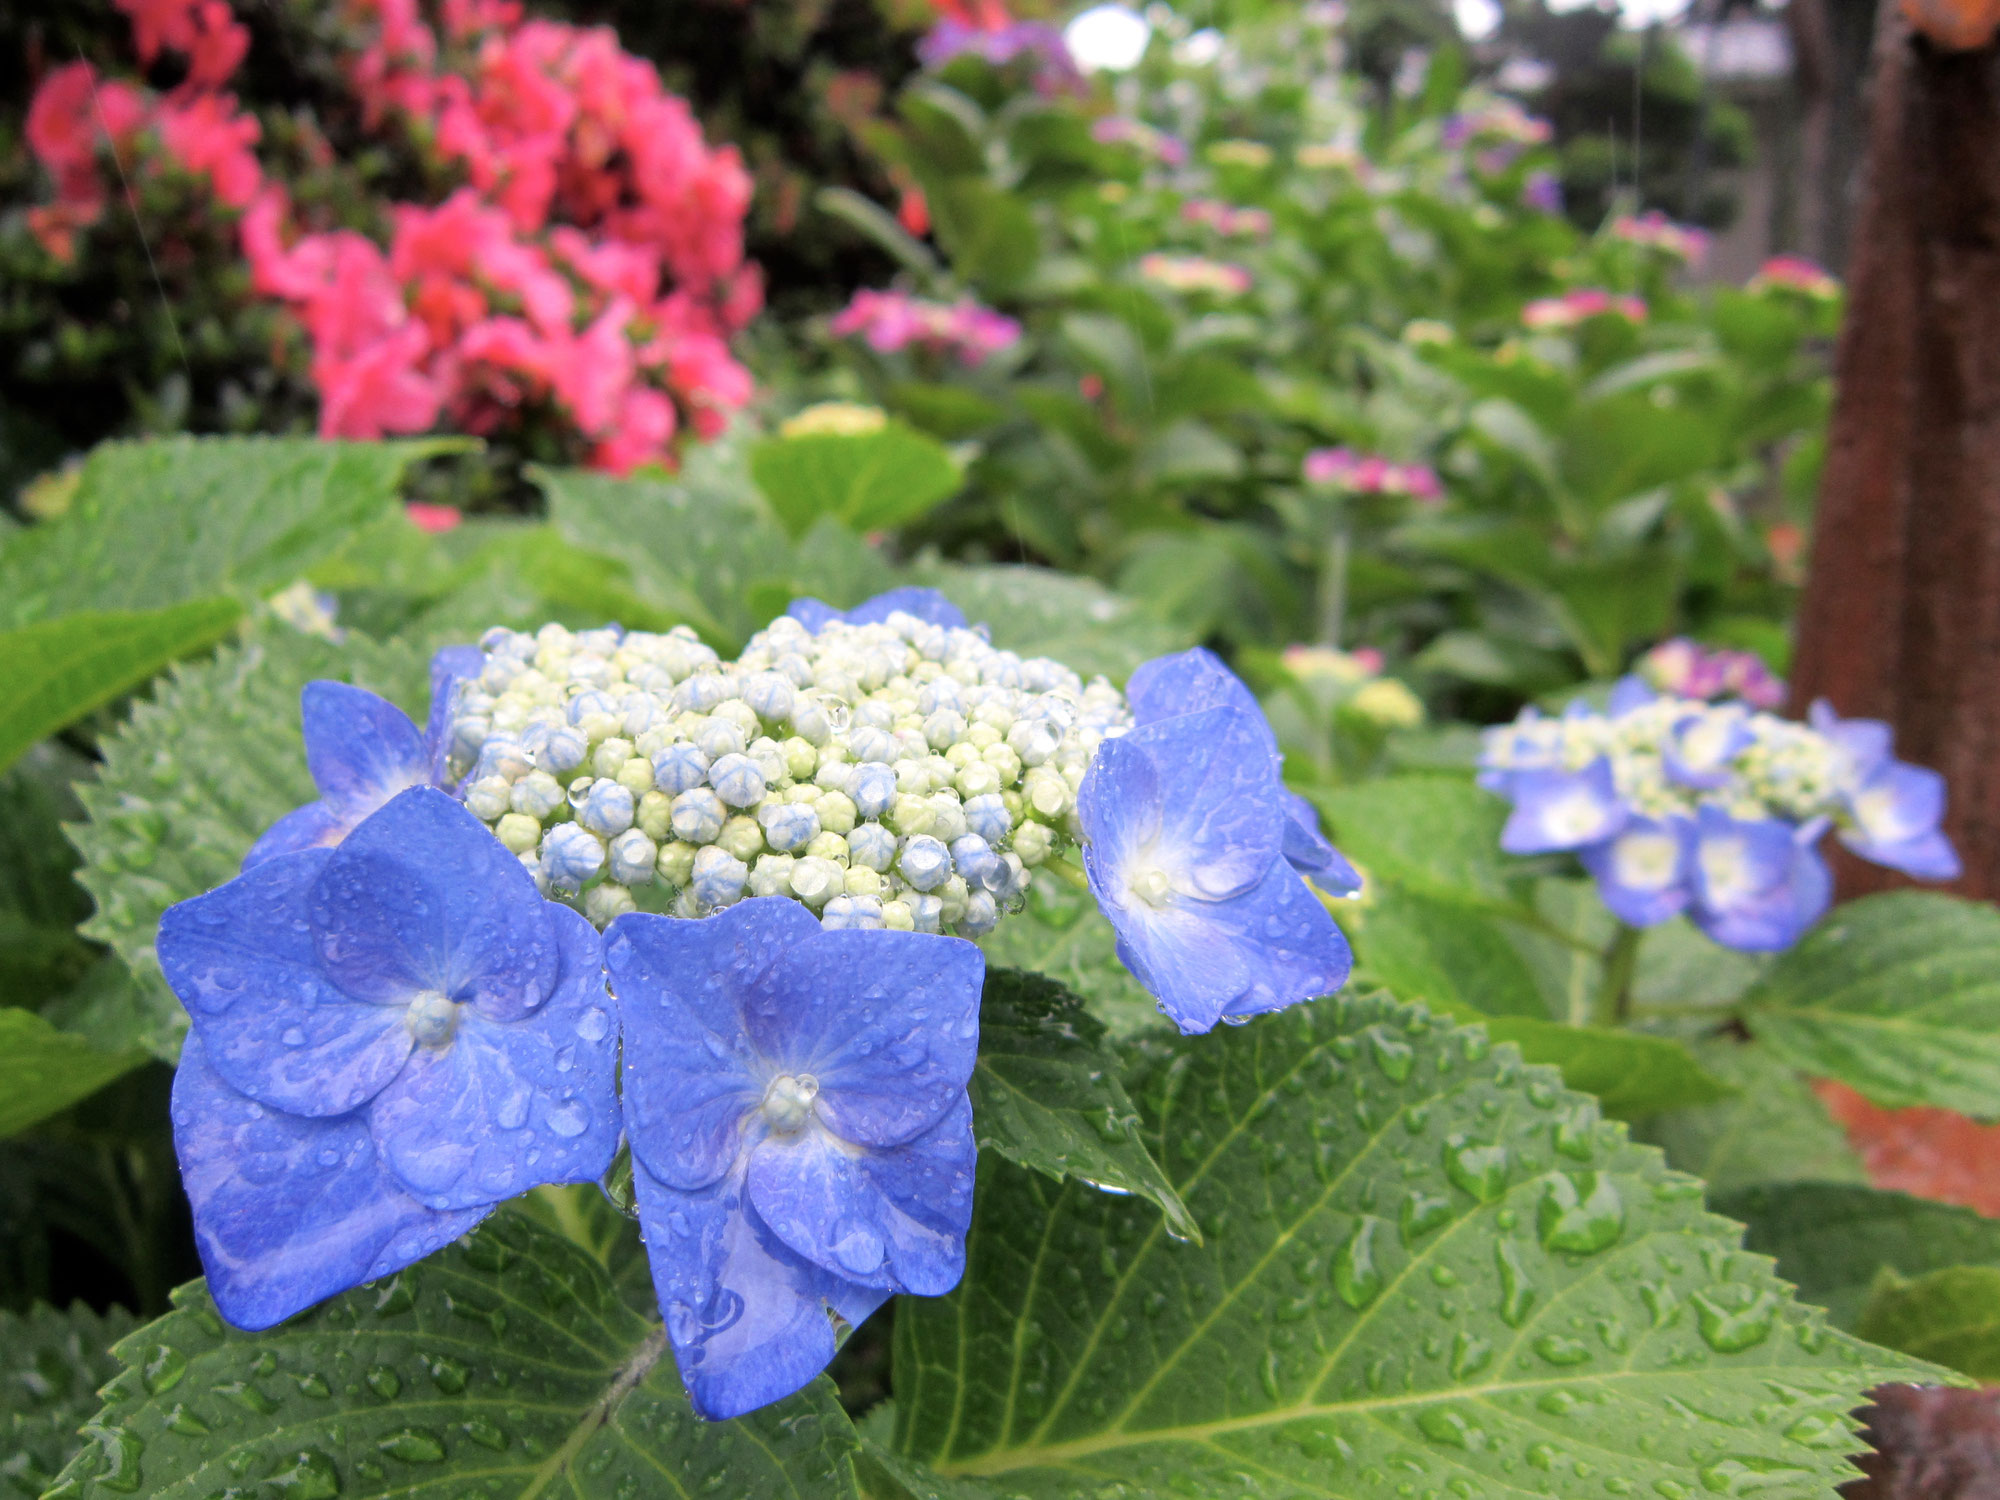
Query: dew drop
point(1394, 1056)
point(1450, 1427)
point(1561, 1351)
point(1474, 1168)
point(1356, 1276)
point(413, 1445)
point(1423, 1212)
point(593, 1025)
point(1517, 1290)
point(1580, 1213)
point(118, 1454)
point(1820, 1430)
point(163, 1368)
point(310, 1476)
point(1732, 1329)
point(1469, 1354)
point(1752, 1476)
point(384, 1382)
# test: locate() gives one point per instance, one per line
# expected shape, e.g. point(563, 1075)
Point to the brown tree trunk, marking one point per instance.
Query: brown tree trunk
point(1901, 616)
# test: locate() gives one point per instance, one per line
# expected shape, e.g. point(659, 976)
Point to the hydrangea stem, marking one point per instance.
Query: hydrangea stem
point(1614, 993)
point(1333, 581)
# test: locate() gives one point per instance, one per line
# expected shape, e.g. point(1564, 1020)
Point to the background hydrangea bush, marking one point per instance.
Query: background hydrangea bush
point(1172, 862)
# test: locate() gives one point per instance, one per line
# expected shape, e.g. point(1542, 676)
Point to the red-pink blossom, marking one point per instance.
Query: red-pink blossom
point(378, 389)
point(208, 138)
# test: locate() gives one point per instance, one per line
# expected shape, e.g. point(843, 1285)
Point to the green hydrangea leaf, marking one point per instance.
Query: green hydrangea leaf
point(1046, 1094)
point(1443, 953)
point(54, 672)
point(1434, 835)
point(213, 758)
point(40, 901)
point(1773, 1130)
point(43, 1070)
point(866, 481)
point(1897, 996)
point(506, 1365)
point(178, 519)
point(1632, 1074)
point(1061, 933)
point(1078, 622)
point(1427, 1265)
point(1831, 1239)
point(1951, 1316)
point(51, 1364)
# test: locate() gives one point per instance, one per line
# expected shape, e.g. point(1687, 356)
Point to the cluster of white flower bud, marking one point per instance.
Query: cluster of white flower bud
point(1670, 756)
point(902, 774)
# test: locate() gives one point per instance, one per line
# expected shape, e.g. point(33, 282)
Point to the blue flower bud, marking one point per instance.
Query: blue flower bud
point(537, 795)
point(719, 737)
point(987, 816)
point(632, 856)
point(502, 755)
point(871, 845)
point(788, 825)
point(571, 855)
point(870, 744)
point(926, 863)
point(976, 860)
point(982, 915)
point(770, 695)
point(607, 810)
point(926, 912)
point(872, 788)
point(698, 816)
point(940, 696)
point(700, 694)
point(852, 911)
point(718, 876)
point(585, 704)
point(562, 751)
point(680, 768)
point(737, 780)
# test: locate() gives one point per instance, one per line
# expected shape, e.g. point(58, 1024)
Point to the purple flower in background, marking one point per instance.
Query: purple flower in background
point(891, 321)
point(1196, 679)
point(1542, 191)
point(362, 750)
point(1186, 828)
point(801, 1134)
point(927, 605)
point(1055, 71)
point(389, 1038)
point(1117, 130)
point(1687, 669)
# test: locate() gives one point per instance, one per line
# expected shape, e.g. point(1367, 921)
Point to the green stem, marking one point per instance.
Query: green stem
point(1333, 582)
point(1066, 872)
point(1614, 994)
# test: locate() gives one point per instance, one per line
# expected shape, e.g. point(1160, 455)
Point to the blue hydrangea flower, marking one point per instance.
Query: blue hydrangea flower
point(1700, 750)
point(1758, 884)
point(1644, 871)
point(362, 750)
point(801, 1136)
point(1185, 826)
point(927, 605)
point(388, 1038)
point(1896, 813)
point(1196, 679)
point(1562, 809)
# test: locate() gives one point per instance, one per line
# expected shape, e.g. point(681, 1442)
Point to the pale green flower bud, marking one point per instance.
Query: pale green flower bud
point(655, 817)
point(910, 816)
point(487, 798)
point(519, 832)
point(1033, 841)
point(862, 881)
point(817, 881)
point(836, 812)
point(676, 862)
point(741, 837)
point(609, 758)
point(801, 760)
point(636, 775)
point(829, 846)
point(536, 795)
point(772, 875)
point(604, 904)
point(896, 916)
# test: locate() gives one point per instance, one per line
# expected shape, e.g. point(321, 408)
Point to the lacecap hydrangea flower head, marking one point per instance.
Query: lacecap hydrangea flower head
point(1715, 809)
point(400, 1009)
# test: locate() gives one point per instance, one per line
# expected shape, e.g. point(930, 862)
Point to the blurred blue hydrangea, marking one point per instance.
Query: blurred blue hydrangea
point(1196, 679)
point(801, 1135)
point(1186, 828)
point(362, 750)
point(388, 1038)
point(927, 605)
point(1715, 810)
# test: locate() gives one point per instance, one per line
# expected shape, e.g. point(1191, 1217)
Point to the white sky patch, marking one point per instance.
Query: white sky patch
point(1111, 38)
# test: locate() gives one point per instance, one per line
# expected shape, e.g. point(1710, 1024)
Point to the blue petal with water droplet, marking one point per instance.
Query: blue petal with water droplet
point(746, 1317)
point(422, 897)
point(242, 960)
point(506, 1106)
point(289, 1210)
point(892, 1220)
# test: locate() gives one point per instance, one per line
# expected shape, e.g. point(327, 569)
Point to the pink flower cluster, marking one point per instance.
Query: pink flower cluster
point(592, 264)
point(1371, 474)
point(1572, 308)
point(1653, 230)
point(891, 321)
point(1688, 669)
point(1794, 273)
point(1226, 218)
point(1195, 273)
point(1499, 120)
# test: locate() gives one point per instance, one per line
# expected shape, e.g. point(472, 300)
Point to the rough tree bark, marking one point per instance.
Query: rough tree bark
point(1901, 616)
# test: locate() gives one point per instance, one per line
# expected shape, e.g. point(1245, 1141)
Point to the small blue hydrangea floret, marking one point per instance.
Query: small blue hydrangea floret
point(1896, 812)
point(927, 605)
point(1185, 827)
point(388, 1038)
point(680, 768)
point(362, 750)
point(797, 1145)
point(871, 786)
point(1563, 810)
point(1758, 883)
point(1196, 679)
point(1643, 871)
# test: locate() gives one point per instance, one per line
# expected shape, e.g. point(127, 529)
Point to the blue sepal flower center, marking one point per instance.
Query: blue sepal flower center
point(432, 1018)
point(788, 1102)
point(1151, 884)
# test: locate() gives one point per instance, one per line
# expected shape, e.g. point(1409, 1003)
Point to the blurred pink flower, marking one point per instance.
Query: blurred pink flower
point(891, 321)
point(1370, 474)
point(1195, 273)
point(1572, 308)
point(1653, 230)
point(1794, 273)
